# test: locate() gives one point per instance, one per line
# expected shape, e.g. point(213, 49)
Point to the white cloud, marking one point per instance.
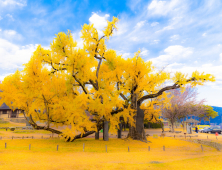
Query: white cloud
point(76, 37)
point(155, 42)
point(140, 24)
point(10, 16)
point(178, 51)
point(122, 28)
point(153, 24)
point(170, 27)
point(126, 55)
point(172, 54)
point(157, 7)
point(133, 4)
point(100, 22)
point(204, 34)
point(3, 76)
point(134, 39)
point(221, 57)
point(206, 68)
point(174, 37)
point(20, 3)
point(13, 56)
point(10, 34)
point(144, 52)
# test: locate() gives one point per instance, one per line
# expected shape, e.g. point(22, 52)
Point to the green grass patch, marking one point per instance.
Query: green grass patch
point(9, 124)
point(31, 131)
point(24, 131)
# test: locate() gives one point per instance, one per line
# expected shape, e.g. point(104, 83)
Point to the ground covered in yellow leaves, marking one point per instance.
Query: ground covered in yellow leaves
point(121, 154)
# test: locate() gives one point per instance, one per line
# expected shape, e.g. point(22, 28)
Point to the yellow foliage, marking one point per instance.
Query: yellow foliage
point(59, 85)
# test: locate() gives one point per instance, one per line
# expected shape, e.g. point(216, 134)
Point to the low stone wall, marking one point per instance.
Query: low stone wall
point(17, 120)
point(216, 145)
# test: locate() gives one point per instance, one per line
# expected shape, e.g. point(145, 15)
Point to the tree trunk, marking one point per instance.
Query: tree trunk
point(27, 122)
point(137, 133)
point(162, 126)
point(97, 135)
point(140, 124)
point(172, 126)
point(124, 126)
point(106, 131)
point(120, 130)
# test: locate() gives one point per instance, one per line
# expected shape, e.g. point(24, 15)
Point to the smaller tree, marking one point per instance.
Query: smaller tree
point(181, 105)
point(208, 113)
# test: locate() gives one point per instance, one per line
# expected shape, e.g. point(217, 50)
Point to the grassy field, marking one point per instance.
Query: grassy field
point(43, 154)
point(121, 153)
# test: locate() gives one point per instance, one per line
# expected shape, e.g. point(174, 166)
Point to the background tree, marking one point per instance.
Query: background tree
point(182, 105)
point(208, 113)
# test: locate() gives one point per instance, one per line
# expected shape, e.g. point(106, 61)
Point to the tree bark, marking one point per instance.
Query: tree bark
point(172, 126)
point(120, 130)
point(137, 132)
point(97, 135)
point(106, 131)
point(162, 126)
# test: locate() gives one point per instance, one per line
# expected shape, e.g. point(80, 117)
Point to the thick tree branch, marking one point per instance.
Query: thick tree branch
point(124, 97)
point(116, 111)
point(35, 126)
point(93, 84)
point(98, 67)
point(160, 92)
point(121, 94)
point(82, 85)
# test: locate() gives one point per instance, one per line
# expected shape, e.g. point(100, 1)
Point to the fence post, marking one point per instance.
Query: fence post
point(106, 148)
point(163, 148)
point(5, 145)
point(29, 146)
point(148, 148)
point(57, 147)
point(202, 148)
point(128, 149)
point(174, 136)
point(207, 137)
point(83, 146)
point(12, 137)
point(32, 137)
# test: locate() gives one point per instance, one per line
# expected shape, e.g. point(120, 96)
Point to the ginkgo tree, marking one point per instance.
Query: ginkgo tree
point(59, 85)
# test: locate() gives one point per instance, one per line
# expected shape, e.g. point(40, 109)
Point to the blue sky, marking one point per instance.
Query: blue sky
point(182, 35)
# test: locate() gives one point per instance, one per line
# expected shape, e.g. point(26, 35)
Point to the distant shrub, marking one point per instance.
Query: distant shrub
point(152, 125)
point(12, 129)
